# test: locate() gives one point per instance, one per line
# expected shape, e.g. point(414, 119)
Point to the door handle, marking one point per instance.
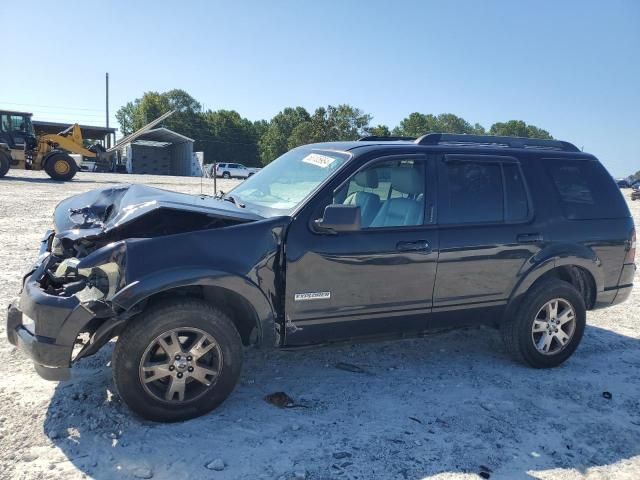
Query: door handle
point(529, 238)
point(417, 246)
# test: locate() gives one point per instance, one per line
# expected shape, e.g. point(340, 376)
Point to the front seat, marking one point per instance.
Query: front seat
point(405, 210)
point(368, 202)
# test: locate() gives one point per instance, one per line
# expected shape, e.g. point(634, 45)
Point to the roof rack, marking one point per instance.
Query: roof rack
point(380, 138)
point(494, 141)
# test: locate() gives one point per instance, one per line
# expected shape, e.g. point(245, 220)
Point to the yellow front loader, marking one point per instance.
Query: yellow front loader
point(20, 148)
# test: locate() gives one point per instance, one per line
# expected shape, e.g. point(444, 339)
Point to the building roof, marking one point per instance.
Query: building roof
point(162, 135)
point(88, 131)
point(16, 112)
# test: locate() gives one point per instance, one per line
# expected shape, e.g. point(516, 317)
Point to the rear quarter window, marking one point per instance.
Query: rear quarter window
point(490, 190)
point(586, 190)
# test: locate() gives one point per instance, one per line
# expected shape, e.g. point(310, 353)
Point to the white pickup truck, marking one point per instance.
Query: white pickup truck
point(231, 170)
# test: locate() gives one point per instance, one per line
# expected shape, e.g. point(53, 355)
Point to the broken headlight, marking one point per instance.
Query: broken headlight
point(103, 273)
point(102, 283)
point(106, 278)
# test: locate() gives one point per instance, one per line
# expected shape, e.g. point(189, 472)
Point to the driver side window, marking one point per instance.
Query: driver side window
point(389, 194)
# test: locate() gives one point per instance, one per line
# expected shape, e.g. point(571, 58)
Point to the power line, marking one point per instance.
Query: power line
point(51, 106)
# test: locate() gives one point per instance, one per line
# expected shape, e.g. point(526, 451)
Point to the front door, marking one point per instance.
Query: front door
point(374, 281)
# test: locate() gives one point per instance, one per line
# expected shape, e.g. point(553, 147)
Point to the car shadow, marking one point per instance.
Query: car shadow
point(451, 402)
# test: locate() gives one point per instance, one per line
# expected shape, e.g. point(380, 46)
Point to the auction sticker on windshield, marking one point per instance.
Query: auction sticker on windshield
point(318, 160)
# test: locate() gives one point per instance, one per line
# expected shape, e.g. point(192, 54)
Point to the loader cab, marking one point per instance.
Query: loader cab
point(15, 128)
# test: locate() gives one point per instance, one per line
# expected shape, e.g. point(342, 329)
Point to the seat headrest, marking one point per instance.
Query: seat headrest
point(407, 180)
point(367, 178)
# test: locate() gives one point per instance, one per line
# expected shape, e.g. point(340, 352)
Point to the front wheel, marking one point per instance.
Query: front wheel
point(177, 360)
point(548, 325)
point(60, 166)
point(5, 163)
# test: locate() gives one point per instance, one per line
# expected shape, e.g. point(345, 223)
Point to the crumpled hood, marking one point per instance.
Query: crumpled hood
point(103, 210)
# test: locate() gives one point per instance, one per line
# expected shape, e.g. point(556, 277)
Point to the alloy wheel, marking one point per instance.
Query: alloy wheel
point(180, 365)
point(553, 326)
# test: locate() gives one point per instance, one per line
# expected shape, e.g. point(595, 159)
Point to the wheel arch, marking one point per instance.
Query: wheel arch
point(238, 297)
point(582, 271)
point(48, 155)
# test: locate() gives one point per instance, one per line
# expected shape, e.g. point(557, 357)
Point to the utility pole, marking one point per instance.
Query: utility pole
point(107, 108)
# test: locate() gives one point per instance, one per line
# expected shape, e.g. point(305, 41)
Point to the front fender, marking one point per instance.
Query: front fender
point(164, 280)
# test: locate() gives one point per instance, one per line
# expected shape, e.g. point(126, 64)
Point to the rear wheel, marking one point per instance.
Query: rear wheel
point(177, 360)
point(60, 166)
point(226, 175)
point(5, 163)
point(548, 325)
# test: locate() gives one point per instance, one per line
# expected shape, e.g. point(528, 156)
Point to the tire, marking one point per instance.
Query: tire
point(136, 345)
point(518, 334)
point(5, 163)
point(226, 175)
point(60, 167)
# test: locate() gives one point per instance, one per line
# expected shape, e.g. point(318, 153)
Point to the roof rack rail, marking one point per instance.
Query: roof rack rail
point(495, 141)
point(380, 138)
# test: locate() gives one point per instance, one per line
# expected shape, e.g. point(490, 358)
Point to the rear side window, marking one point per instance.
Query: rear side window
point(483, 192)
point(586, 190)
point(474, 193)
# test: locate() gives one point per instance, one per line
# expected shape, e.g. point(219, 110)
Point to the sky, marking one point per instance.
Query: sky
point(570, 67)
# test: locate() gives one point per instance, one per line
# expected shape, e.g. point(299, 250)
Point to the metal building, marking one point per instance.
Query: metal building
point(158, 152)
point(90, 132)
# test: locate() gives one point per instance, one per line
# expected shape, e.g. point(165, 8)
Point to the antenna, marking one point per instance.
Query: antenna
point(215, 183)
point(107, 108)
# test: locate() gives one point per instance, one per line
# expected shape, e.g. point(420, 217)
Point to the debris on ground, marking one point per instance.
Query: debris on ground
point(217, 465)
point(279, 399)
point(348, 367)
point(341, 455)
point(143, 472)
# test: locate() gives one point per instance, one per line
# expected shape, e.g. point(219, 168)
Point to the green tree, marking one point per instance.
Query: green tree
point(518, 128)
point(260, 127)
point(344, 122)
point(478, 129)
point(302, 134)
point(331, 124)
point(126, 117)
point(275, 140)
point(418, 124)
point(380, 131)
point(229, 137)
point(187, 120)
point(415, 124)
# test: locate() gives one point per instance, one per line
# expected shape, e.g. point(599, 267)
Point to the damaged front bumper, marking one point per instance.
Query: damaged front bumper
point(46, 326)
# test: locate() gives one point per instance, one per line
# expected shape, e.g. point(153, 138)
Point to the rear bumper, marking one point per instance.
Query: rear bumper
point(625, 284)
point(45, 327)
point(619, 294)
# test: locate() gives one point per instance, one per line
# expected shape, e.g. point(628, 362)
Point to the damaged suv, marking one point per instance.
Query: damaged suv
point(331, 242)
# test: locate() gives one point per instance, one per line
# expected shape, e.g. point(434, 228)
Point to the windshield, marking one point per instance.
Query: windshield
point(283, 184)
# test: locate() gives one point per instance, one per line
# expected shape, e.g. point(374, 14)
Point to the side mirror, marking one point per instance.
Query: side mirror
point(340, 218)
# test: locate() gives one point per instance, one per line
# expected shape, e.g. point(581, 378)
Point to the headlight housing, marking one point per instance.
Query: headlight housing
point(104, 271)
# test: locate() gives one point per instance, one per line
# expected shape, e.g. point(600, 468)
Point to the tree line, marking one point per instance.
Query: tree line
point(226, 136)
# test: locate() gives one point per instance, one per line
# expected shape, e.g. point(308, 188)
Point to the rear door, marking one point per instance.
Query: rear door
point(488, 232)
point(378, 280)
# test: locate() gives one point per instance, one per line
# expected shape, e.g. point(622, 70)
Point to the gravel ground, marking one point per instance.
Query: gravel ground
point(451, 405)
